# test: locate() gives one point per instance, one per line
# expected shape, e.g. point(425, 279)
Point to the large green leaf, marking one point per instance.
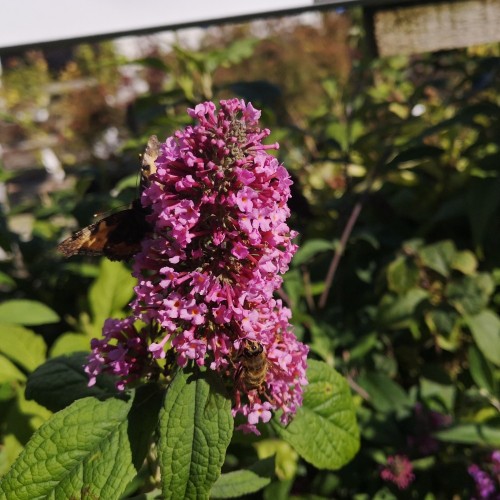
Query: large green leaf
point(324, 431)
point(485, 328)
point(81, 452)
point(26, 312)
point(23, 346)
point(111, 291)
point(60, 381)
point(196, 427)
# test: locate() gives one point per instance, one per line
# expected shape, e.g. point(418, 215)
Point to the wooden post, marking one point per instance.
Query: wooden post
point(409, 29)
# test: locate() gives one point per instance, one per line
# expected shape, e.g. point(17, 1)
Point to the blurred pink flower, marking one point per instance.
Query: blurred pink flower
point(399, 471)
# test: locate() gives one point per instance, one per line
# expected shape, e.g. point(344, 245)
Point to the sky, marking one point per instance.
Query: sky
point(33, 21)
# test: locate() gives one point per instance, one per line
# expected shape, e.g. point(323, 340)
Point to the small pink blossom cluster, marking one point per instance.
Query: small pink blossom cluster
point(208, 272)
point(399, 471)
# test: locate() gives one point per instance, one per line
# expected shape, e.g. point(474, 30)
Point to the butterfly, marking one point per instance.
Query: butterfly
point(119, 235)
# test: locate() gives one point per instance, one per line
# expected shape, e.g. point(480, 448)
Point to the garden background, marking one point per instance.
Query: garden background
point(396, 200)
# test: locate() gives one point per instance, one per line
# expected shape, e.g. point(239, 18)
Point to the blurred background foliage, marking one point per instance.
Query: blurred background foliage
point(396, 165)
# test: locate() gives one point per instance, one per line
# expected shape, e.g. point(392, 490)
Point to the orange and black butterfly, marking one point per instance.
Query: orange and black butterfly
point(118, 236)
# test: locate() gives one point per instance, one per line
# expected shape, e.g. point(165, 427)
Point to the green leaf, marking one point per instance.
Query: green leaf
point(279, 490)
point(482, 371)
point(86, 453)
point(6, 280)
point(111, 291)
point(60, 381)
point(11, 448)
point(385, 394)
point(437, 389)
point(483, 434)
point(9, 371)
point(402, 275)
point(7, 392)
point(143, 420)
point(364, 345)
point(311, 248)
point(439, 256)
point(465, 262)
point(321, 338)
point(339, 133)
point(485, 328)
point(394, 311)
point(26, 312)
point(69, 343)
point(24, 417)
point(324, 431)
point(416, 153)
point(23, 346)
point(83, 269)
point(285, 457)
point(470, 294)
point(238, 483)
point(444, 325)
point(293, 285)
point(243, 482)
point(196, 426)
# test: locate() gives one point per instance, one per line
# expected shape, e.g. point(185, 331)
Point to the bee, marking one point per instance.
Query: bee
point(119, 235)
point(253, 366)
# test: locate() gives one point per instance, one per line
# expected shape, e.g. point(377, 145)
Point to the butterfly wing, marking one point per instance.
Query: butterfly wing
point(119, 235)
point(149, 157)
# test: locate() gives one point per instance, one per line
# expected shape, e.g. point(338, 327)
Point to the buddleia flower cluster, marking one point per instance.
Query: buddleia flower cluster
point(208, 272)
point(486, 477)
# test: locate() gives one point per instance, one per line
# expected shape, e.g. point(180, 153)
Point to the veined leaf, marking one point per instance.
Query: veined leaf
point(324, 431)
point(86, 453)
point(196, 426)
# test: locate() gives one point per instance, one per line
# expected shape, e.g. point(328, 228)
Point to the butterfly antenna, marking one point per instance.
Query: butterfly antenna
point(105, 213)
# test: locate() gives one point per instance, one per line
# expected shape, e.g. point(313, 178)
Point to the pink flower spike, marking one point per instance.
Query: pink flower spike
point(209, 269)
